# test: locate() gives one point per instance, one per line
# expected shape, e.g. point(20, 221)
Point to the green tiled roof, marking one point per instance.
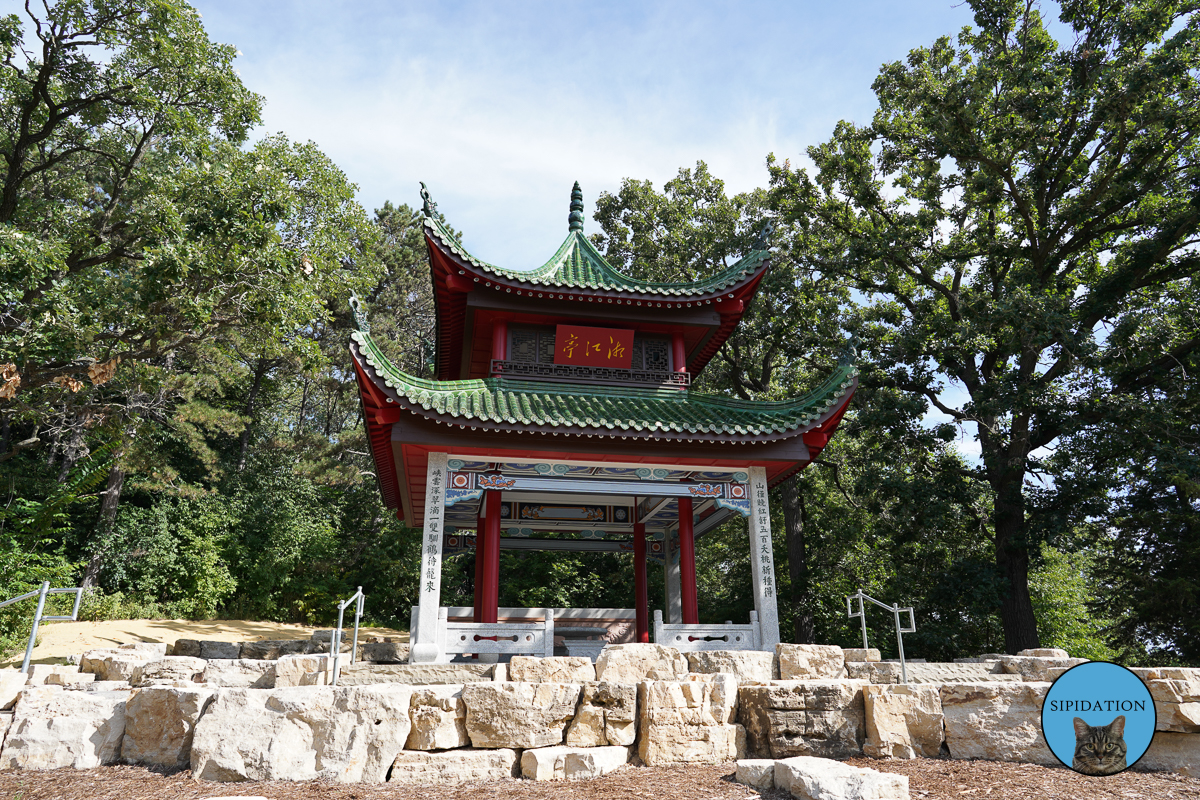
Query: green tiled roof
point(504, 401)
point(578, 265)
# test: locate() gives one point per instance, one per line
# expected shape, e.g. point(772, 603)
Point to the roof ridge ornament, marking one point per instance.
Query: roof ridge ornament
point(849, 352)
point(429, 208)
point(763, 240)
point(575, 220)
point(360, 314)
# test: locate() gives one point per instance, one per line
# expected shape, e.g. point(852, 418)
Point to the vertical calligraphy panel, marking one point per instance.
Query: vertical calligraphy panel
point(762, 560)
point(425, 649)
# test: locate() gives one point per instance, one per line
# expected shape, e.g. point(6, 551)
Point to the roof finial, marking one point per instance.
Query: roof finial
point(576, 218)
point(429, 207)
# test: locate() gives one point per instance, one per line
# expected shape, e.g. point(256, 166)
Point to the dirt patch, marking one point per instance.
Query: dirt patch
point(928, 780)
point(61, 639)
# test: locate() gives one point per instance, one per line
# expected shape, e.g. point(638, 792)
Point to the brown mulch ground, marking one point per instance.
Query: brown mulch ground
point(929, 779)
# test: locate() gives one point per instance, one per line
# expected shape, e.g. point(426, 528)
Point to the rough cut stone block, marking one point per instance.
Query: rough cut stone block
point(93, 660)
point(557, 669)
point(169, 671)
point(107, 686)
point(1178, 717)
point(159, 724)
point(119, 667)
point(186, 647)
point(817, 718)
point(1167, 673)
point(52, 729)
point(294, 670)
point(545, 763)
point(454, 766)
point(748, 666)
point(810, 778)
point(860, 654)
point(810, 661)
point(940, 672)
point(903, 721)
point(634, 663)
point(1174, 690)
point(996, 721)
point(1038, 669)
point(271, 649)
point(1044, 652)
point(152, 650)
point(345, 734)
point(5, 723)
point(439, 719)
point(607, 715)
point(758, 773)
point(38, 673)
point(384, 652)
point(585, 763)
point(689, 721)
point(72, 680)
point(1173, 752)
point(875, 672)
point(211, 649)
point(413, 674)
point(12, 683)
point(519, 715)
point(245, 673)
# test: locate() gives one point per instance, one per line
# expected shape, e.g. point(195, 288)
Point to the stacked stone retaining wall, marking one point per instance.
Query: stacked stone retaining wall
point(233, 718)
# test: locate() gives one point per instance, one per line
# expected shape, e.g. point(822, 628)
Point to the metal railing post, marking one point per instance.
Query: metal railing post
point(37, 618)
point(357, 616)
point(895, 609)
point(335, 637)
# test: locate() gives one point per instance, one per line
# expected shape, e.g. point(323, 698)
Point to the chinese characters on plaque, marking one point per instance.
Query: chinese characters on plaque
point(593, 347)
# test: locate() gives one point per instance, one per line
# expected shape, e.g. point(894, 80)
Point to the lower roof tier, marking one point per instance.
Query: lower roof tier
point(499, 419)
point(590, 410)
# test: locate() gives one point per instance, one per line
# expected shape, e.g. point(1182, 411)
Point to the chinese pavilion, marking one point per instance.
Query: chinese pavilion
point(562, 418)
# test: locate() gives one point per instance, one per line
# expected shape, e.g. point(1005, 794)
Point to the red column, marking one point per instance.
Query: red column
point(499, 340)
point(687, 563)
point(490, 599)
point(641, 595)
point(478, 599)
point(678, 355)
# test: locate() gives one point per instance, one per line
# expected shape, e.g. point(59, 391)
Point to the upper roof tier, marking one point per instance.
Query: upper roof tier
point(576, 285)
point(577, 265)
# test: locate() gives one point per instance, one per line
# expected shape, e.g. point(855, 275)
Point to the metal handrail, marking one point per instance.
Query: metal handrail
point(335, 638)
point(38, 619)
point(861, 614)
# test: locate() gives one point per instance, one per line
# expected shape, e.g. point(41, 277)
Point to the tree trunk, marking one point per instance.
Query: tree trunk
point(795, 517)
point(109, 500)
point(260, 370)
point(1012, 558)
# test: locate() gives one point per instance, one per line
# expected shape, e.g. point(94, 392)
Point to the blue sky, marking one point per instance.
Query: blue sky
point(500, 106)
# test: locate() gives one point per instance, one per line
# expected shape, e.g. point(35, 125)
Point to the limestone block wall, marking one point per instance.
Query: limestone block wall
point(234, 719)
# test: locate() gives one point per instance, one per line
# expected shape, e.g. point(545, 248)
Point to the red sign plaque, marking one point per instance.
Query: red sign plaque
point(593, 347)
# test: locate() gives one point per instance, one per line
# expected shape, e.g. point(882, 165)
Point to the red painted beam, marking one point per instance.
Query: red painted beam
point(490, 600)
point(687, 563)
point(641, 591)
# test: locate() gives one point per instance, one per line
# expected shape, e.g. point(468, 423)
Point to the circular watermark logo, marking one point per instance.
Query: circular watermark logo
point(1098, 718)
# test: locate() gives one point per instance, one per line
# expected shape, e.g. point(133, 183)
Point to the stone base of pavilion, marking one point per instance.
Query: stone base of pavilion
point(557, 718)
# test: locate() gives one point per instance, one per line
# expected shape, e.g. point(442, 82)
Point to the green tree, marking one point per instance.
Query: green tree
point(1011, 201)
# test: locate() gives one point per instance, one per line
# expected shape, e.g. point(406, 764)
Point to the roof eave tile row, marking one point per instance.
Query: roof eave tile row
point(619, 412)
